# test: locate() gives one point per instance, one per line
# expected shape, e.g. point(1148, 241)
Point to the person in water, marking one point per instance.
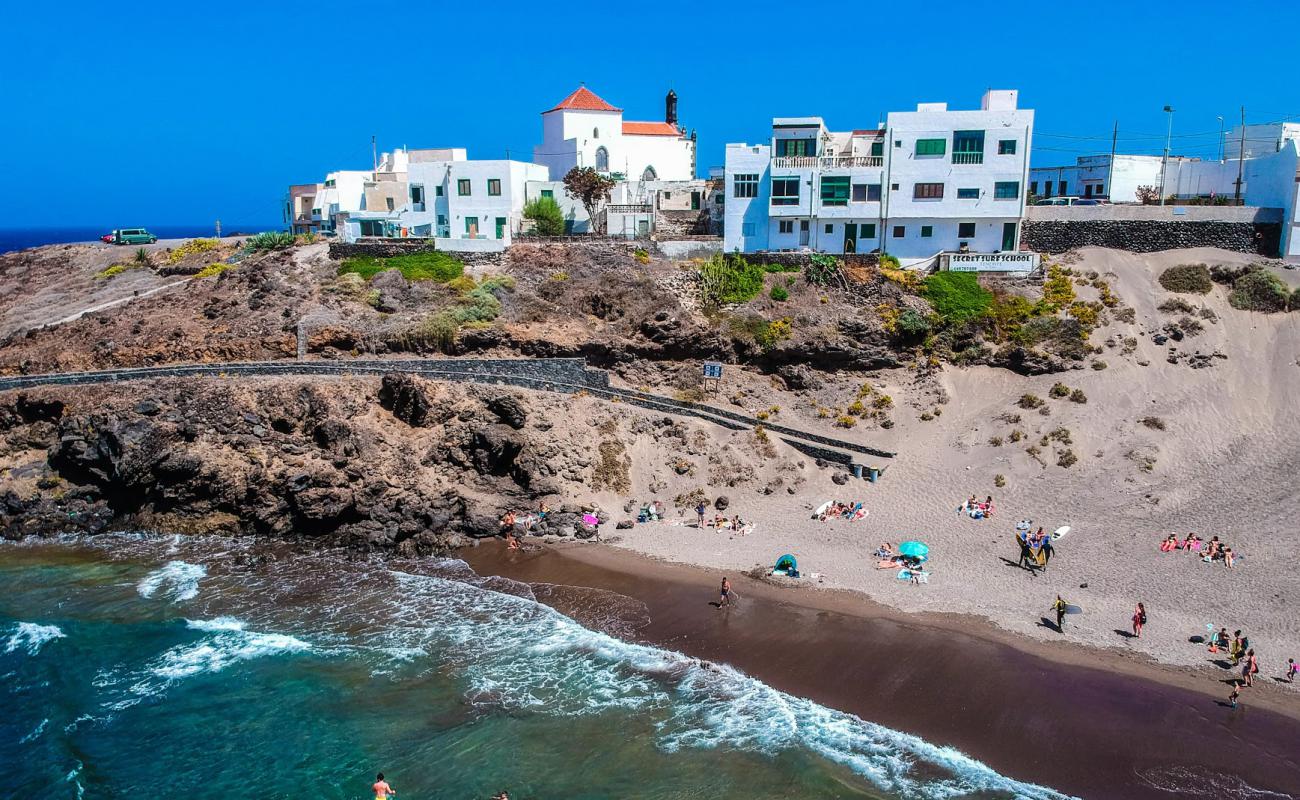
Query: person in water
point(381, 788)
point(724, 594)
point(1059, 607)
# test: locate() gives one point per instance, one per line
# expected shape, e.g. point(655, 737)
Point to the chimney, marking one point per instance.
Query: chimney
point(670, 108)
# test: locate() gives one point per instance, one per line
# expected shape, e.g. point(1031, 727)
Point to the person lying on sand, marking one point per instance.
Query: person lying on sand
point(885, 550)
point(1170, 543)
point(1228, 557)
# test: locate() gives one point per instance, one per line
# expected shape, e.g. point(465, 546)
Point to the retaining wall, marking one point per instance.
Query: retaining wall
point(1148, 236)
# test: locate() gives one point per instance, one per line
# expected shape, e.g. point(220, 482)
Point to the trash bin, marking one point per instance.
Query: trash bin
point(872, 474)
point(857, 470)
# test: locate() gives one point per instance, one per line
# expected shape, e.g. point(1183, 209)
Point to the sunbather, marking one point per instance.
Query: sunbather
point(1169, 544)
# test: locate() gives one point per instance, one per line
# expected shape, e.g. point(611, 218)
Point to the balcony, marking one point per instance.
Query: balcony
point(968, 158)
point(831, 162)
point(826, 162)
point(794, 162)
point(629, 208)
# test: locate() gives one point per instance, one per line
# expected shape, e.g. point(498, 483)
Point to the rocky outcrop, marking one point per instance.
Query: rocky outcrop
point(408, 397)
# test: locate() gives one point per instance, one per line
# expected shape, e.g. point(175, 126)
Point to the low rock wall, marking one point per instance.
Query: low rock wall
point(1148, 236)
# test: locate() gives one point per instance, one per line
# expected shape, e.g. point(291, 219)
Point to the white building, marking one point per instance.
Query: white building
point(635, 208)
point(585, 131)
point(928, 181)
point(1098, 177)
point(446, 196)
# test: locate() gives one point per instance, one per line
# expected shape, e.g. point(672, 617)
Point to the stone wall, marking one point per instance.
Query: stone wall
point(1147, 236)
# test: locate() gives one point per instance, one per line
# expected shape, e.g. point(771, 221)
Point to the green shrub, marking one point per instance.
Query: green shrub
point(779, 293)
point(1077, 396)
point(433, 265)
point(845, 421)
point(911, 326)
point(191, 247)
point(546, 215)
point(1176, 305)
point(112, 270)
point(1259, 290)
point(270, 240)
point(822, 269)
point(142, 257)
point(957, 297)
point(1066, 458)
point(1028, 401)
point(1059, 390)
point(1154, 423)
point(729, 279)
point(641, 255)
point(889, 262)
point(1058, 290)
point(1187, 279)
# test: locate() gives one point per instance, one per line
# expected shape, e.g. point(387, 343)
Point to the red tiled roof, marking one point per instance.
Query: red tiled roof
point(583, 99)
point(649, 129)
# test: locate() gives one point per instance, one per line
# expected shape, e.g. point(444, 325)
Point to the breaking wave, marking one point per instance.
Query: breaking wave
point(32, 637)
point(180, 577)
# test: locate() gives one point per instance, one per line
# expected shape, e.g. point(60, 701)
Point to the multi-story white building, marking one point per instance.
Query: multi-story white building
point(585, 131)
point(928, 181)
point(444, 195)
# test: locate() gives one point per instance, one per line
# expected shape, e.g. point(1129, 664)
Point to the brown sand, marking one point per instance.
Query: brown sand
point(1079, 729)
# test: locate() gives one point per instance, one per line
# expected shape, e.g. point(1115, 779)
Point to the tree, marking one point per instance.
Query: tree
point(590, 188)
point(547, 218)
point(1146, 195)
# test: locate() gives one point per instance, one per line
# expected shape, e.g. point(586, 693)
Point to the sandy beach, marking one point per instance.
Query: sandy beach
point(1217, 467)
point(1026, 711)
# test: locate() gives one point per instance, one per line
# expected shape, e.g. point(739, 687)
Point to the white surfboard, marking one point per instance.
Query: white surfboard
point(1060, 532)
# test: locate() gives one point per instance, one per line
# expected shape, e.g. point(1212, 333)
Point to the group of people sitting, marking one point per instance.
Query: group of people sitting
point(1211, 551)
point(740, 526)
point(975, 509)
point(837, 509)
point(525, 522)
point(890, 560)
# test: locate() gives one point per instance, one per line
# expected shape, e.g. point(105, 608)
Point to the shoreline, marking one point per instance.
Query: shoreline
point(1037, 712)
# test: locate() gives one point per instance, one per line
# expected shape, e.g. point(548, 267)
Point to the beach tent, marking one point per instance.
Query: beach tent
point(786, 563)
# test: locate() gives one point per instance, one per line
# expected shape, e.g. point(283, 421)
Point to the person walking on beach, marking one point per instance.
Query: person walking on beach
point(1251, 667)
point(1235, 651)
point(1059, 607)
point(381, 788)
point(724, 594)
point(1139, 619)
point(1290, 670)
point(699, 515)
point(1236, 692)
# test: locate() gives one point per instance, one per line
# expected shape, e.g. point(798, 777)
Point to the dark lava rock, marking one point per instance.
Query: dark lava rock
point(799, 376)
point(624, 525)
point(408, 398)
point(509, 410)
point(721, 503)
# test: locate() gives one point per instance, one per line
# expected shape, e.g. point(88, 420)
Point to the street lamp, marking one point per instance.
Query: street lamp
point(1220, 138)
point(1164, 165)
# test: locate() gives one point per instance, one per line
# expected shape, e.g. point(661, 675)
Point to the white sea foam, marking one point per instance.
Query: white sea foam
point(181, 578)
point(32, 637)
point(521, 655)
point(229, 643)
point(36, 732)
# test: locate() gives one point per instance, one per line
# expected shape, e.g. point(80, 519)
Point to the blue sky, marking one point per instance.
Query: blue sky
point(181, 112)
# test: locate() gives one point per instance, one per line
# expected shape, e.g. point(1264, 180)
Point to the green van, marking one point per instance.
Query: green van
point(134, 236)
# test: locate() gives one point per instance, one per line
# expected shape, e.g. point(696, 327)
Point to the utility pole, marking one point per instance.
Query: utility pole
point(374, 155)
point(218, 229)
point(1110, 173)
point(1241, 156)
point(1220, 138)
point(1164, 164)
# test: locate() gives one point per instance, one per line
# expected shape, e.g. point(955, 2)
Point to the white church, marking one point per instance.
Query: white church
point(585, 131)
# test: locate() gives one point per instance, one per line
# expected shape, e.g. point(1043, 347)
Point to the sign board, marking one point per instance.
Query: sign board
point(712, 369)
point(992, 262)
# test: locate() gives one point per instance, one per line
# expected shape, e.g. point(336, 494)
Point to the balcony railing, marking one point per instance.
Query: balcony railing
point(826, 162)
point(968, 158)
point(629, 209)
point(853, 161)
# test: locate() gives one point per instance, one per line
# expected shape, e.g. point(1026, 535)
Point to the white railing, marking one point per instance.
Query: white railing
point(853, 161)
point(826, 162)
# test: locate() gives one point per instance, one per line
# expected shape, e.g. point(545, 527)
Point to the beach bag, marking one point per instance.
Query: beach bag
point(1142, 618)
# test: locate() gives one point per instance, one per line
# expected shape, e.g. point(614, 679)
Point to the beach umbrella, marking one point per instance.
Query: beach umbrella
point(913, 549)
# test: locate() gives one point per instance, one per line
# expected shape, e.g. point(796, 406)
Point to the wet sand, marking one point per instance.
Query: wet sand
point(1035, 716)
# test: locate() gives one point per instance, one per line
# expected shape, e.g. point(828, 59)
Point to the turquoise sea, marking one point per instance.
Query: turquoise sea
point(137, 665)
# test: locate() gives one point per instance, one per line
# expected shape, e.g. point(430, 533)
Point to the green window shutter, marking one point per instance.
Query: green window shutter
point(1006, 190)
point(931, 147)
point(835, 190)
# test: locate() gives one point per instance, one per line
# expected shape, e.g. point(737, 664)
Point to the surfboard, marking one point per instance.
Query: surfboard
point(1073, 609)
point(1060, 532)
point(821, 509)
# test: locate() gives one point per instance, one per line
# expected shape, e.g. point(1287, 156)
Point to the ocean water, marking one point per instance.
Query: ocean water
point(135, 665)
point(22, 238)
